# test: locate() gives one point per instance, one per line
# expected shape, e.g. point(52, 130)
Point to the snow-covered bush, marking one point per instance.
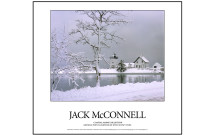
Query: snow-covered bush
point(64, 63)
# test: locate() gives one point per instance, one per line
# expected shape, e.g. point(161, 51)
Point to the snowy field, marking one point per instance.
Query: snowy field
point(153, 91)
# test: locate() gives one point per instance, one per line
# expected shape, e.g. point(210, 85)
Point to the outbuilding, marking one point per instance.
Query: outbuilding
point(157, 66)
point(129, 65)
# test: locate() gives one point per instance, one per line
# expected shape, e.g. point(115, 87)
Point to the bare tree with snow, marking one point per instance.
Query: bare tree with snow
point(97, 33)
point(64, 63)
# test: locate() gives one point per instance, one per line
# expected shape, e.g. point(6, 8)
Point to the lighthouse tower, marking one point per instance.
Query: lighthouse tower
point(113, 61)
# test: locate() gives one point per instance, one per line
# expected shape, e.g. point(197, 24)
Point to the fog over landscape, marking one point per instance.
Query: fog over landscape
point(144, 35)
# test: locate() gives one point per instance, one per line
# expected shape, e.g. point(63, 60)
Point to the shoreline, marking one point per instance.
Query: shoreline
point(124, 73)
point(114, 71)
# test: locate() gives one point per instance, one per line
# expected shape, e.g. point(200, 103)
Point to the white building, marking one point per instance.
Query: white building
point(129, 65)
point(141, 62)
point(114, 61)
point(157, 65)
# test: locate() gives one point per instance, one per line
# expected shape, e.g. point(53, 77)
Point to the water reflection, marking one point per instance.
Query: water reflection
point(109, 79)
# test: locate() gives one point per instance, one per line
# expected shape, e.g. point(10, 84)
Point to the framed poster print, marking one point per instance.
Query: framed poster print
point(103, 67)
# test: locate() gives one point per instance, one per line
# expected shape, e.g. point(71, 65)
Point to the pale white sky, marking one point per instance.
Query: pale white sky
point(144, 35)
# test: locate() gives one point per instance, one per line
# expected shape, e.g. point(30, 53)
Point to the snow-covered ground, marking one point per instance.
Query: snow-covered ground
point(153, 91)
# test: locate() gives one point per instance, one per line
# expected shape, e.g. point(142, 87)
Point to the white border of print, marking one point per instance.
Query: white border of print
point(53, 117)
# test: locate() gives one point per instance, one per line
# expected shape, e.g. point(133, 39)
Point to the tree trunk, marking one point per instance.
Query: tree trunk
point(98, 58)
point(97, 74)
point(98, 81)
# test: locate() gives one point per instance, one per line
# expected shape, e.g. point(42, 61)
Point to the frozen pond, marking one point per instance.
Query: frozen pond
point(110, 79)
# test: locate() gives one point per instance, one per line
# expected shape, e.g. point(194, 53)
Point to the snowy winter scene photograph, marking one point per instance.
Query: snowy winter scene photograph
point(107, 55)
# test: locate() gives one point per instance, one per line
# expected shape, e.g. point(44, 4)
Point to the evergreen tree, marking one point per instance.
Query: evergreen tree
point(121, 66)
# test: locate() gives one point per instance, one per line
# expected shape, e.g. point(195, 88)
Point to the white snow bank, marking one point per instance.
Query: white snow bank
point(153, 91)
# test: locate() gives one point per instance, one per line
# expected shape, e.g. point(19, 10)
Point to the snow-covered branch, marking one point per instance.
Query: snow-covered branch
point(96, 32)
point(64, 63)
point(98, 27)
